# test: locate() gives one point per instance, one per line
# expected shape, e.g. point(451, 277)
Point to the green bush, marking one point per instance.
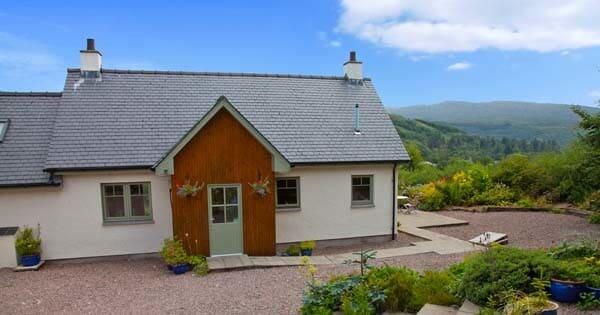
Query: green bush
point(397, 284)
point(580, 249)
point(431, 198)
point(26, 243)
point(499, 195)
point(293, 250)
point(592, 202)
point(173, 253)
point(362, 300)
point(435, 287)
point(328, 295)
point(594, 218)
point(199, 264)
point(487, 275)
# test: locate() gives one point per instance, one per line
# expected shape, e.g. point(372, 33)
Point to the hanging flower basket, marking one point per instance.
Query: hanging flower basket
point(189, 190)
point(261, 187)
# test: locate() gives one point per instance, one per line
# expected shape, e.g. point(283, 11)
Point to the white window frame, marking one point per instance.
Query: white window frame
point(128, 217)
point(288, 207)
point(363, 203)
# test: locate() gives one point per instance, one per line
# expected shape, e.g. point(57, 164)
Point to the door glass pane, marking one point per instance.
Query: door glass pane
point(218, 214)
point(231, 195)
point(232, 214)
point(217, 196)
point(115, 207)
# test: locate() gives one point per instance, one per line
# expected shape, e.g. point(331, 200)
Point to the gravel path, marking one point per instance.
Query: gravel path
point(524, 229)
point(145, 286)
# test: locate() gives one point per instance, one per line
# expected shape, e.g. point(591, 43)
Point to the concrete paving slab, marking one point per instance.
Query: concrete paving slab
point(431, 309)
point(424, 219)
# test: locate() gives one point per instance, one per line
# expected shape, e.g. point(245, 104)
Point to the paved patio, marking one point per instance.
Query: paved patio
point(412, 224)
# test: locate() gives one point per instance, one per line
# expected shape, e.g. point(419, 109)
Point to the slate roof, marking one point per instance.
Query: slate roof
point(132, 118)
point(24, 148)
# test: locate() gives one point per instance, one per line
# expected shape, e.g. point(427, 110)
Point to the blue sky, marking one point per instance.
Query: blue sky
point(416, 53)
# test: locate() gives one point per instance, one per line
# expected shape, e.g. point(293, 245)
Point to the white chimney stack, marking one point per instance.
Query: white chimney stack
point(353, 69)
point(91, 60)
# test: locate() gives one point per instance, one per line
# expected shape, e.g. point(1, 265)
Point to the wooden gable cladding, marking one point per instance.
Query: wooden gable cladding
point(224, 152)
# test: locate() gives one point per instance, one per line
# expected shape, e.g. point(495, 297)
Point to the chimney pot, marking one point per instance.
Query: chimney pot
point(91, 45)
point(353, 56)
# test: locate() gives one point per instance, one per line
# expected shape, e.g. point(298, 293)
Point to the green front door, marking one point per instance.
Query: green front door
point(225, 219)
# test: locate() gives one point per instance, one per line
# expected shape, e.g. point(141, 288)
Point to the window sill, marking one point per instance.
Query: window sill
point(290, 209)
point(127, 222)
point(361, 206)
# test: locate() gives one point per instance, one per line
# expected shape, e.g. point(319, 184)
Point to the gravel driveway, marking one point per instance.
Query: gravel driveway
point(145, 286)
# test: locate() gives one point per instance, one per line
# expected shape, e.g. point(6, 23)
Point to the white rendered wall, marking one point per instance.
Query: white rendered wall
point(70, 217)
point(326, 212)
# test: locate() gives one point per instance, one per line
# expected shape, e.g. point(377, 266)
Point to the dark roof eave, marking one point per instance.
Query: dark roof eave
point(28, 185)
point(98, 168)
point(350, 162)
point(40, 94)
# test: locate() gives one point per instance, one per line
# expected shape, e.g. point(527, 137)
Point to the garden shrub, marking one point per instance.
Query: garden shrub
point(435, 287)
point(592, 202)
point(26, 243)
point(362, 300)
point(328, 295)
point(431, 198)
point(594, 218)
point(485, 276)
point(580, 249)
point(526, 202)
point(173, 253)
point(498, 195)
point(397, 284)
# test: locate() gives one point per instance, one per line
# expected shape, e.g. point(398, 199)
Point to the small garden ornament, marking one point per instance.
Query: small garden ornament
point(261, 186)
point(187, 189)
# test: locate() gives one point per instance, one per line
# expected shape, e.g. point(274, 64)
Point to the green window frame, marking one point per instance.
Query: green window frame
point(126, 202)
point(3, 128)
point(359, 184)
point(283, 184)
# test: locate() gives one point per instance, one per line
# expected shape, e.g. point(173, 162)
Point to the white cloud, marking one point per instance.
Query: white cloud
point(595, 94)
point(469, 25)
point(459, 66)
point(335, 43)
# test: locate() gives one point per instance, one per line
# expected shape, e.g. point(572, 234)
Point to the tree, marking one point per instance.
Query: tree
point(415, 154)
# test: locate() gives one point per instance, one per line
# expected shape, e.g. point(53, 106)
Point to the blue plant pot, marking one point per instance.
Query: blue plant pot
point(30, 260)
point(306, 252)
point(595, 291)
point(566, 291)
point(180, 269)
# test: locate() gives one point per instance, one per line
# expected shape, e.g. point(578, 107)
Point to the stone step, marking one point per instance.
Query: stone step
point(432, 309)
point(468, 308)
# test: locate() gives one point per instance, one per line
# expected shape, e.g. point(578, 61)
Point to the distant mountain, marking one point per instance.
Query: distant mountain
point(522, 120)
point(441, 143)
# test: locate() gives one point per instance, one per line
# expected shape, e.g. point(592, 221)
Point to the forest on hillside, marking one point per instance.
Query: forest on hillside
point(440, 143)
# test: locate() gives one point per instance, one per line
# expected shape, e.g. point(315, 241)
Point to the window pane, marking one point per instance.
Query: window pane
point(134, 189)
point(287, 197)
point(231, 195)
point(218, 214)
point(118, 190)
point(291, 183)
point(361, 193)
point(366, 180)
point(217, 196)
point(355, 180)
point(108, 190)
point(140, 206)
point(232, 213)
point(281, 183)
point(115, 207)
point(145, 189)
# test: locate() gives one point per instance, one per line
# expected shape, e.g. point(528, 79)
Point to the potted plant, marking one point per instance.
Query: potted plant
point(569, 283)
point(175, 256)
point(292, 250)
point(306, 248)
point(28, 247)
point(187, 189)
point(261, 186)
point(535, 303)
